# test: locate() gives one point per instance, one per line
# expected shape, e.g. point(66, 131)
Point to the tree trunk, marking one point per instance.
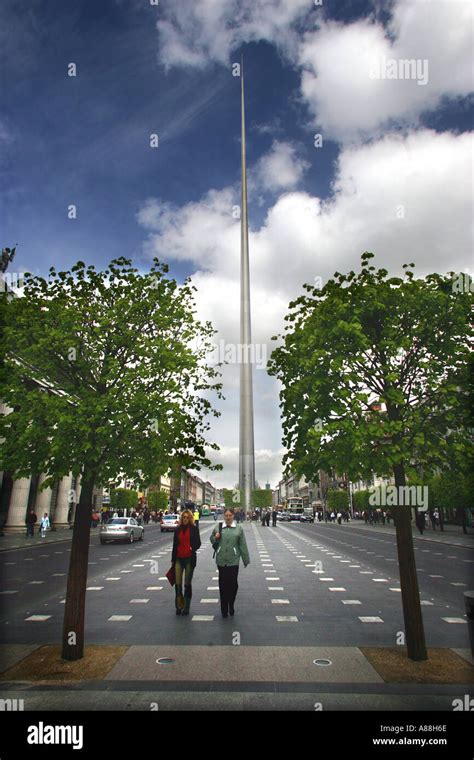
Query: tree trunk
point(414, 631)
point(74, 612)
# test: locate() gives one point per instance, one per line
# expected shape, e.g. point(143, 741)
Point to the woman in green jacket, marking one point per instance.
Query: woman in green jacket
point(229, 545)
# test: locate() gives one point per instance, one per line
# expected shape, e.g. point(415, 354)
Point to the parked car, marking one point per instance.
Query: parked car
point(169, 522)
point(121, 529)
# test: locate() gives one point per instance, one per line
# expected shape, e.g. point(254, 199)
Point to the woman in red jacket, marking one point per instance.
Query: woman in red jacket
point(187, 541)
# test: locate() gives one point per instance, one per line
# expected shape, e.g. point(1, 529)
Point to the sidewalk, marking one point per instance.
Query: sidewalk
point(19, 540)
point(231, 678)
point(452, 534)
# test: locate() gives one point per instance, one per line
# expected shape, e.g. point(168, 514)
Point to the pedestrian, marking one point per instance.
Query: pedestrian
point(274, 517)
point(229, 546)
point(433, 520)
point(196, 516)
point(420, 522)
point(30, 523)
point(44, 525)
point(267, 518)
point(186, 542)
point(263, 518)
point(339, 518)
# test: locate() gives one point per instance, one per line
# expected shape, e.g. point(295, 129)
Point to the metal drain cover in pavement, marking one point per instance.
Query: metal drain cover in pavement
point(165, 661)
point(323, 663)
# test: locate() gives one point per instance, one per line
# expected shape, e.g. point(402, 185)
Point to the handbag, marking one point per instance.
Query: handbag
point(171, 575)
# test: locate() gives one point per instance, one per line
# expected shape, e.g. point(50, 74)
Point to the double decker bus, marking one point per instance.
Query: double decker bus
point(294, 509)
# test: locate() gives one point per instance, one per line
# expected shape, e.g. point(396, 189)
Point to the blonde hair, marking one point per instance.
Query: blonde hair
point(186, 512)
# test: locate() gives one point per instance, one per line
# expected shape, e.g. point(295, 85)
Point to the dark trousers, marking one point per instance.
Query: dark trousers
point(228, 586)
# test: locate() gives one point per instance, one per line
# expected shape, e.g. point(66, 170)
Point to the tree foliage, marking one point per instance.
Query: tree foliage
point(402, 343)
point(157, 500)
point(127, 385)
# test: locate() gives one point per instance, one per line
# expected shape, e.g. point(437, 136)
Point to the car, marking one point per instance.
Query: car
point(306, 517)
point(169, 522)
point(283, 517)
point(121, 529)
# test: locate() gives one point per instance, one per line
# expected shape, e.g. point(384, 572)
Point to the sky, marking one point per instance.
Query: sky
point(348, 150)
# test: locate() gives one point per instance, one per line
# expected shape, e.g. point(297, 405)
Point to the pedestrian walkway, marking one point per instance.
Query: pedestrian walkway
point(20, 541)
point(180, 677)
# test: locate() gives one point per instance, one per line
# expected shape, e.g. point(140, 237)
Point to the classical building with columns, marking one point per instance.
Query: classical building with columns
point(17, 496)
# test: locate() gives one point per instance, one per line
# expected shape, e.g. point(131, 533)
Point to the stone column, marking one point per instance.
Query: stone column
point(64, 501)
point(43, 499)
point(15, 522)
point(76, 497)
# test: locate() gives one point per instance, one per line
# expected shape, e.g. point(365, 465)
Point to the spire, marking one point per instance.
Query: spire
point(246, 436)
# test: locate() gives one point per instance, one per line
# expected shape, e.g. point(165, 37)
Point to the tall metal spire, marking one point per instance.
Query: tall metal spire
point(246, 438)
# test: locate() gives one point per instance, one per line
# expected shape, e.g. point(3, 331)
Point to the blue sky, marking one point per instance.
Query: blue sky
point(141, 69)
point(84, 140)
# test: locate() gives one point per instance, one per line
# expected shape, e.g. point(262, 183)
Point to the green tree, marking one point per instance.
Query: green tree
point(337, 499)
point(361, 501)
point(104, 381)
point(261, 498)
point(158, 500)
point(452, 490)
point(123, 498)
point(363, 338)
point(232, 498)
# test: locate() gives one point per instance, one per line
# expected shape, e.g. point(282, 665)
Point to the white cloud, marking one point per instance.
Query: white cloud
point(336, 59)
point(267, 466)
point(340, 60)
point(193, 32)
point(406, 198)
point(280, 168)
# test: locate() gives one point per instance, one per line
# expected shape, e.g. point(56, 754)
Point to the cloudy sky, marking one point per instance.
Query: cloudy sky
point(390, 172)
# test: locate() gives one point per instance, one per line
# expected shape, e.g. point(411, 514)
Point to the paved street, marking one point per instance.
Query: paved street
point(351, 598)
point(311, 598)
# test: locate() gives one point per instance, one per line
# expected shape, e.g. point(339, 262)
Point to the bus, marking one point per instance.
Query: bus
point(295, 510)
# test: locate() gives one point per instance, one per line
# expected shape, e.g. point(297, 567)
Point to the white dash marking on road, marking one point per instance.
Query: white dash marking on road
point(454, 620)
point(370, 619)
